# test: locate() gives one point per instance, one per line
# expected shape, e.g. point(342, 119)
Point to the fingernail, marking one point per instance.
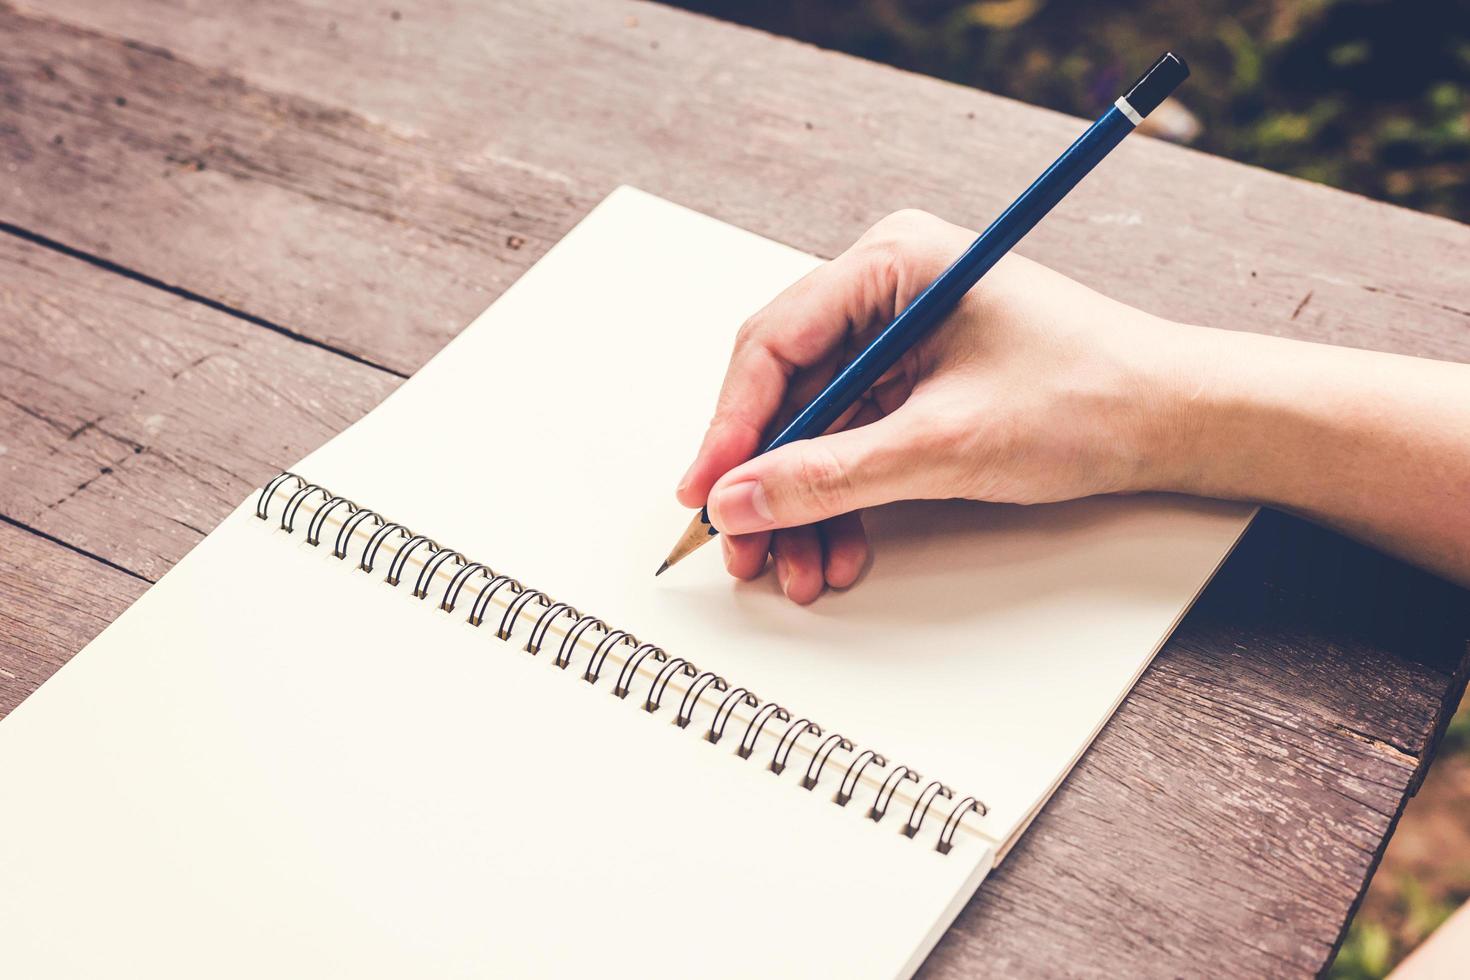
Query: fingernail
point(741, 508)
point(783, 574)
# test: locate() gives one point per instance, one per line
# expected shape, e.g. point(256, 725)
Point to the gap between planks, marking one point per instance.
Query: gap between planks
point(189, 295)
point(75, 549)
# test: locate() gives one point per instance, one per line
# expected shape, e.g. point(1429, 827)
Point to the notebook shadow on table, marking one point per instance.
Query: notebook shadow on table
point(929, 557)
point(1339, 642)
point(1287, 570)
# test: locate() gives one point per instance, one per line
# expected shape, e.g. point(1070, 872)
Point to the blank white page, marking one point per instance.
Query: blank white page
point(275, 766)
point(985, 646)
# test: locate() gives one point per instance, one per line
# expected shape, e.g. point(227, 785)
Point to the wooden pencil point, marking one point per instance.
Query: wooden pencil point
point(699, 531)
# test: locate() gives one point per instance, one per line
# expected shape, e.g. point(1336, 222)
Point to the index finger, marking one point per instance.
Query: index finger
point(795, 331)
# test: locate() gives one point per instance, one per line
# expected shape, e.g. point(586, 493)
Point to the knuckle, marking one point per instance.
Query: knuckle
point(894, 242)
point(728, 421)
point(747, 334)
point(822, 483)
point(901, 227)
point(908, 221)
point(947, 433)
point(945, 442)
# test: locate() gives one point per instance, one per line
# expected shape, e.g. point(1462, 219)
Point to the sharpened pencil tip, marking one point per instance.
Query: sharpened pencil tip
point(699, 532)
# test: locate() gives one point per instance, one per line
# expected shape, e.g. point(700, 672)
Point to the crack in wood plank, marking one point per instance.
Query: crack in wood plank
point(1397, 753)
point(83, 552)
point(743, 125)
point(1458, 311)
point(1302, 305)
point(183, 293)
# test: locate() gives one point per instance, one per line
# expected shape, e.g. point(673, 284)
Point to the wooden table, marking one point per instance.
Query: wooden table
point(230, 232)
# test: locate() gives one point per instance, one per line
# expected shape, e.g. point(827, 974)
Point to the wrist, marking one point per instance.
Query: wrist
point(1247, 420)
point(1206, 411)
point(1171, 401)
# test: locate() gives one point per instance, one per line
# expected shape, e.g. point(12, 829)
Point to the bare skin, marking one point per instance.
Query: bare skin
point(1038, 389)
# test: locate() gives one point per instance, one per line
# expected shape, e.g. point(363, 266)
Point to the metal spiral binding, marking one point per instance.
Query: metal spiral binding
point(545, 613)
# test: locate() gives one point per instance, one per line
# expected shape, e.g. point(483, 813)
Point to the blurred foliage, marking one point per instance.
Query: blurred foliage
point(1366, 954)
point(1457, 733)
point(1375, 945)
point(1425, 872)
point(1369, 95)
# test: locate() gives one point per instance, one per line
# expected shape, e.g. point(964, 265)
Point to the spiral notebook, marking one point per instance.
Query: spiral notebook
point(419, 707)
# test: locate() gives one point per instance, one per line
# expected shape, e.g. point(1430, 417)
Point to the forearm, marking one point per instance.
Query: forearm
point(1039, 389)
point(1374, 445)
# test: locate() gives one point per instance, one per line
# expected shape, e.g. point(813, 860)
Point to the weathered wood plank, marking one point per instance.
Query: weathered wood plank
point(522, 102)
point(330, 175)
point(132, 421)
point(1172, 891)
point(1219, 824)
point(52, 602)
point(1281, 755)
point(385, 247)
point(331, 172)
point(1239, 773)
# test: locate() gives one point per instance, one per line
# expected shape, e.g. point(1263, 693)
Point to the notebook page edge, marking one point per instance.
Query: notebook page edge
point(1023, 825)
point(634, 198)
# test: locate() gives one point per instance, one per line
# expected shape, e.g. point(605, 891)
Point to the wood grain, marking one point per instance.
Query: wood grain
point(336, 182)
point(133, 420)
point(1214, 819)
point(804, 146)
point(1175, 814)
point(52, 602)
point(120, 150)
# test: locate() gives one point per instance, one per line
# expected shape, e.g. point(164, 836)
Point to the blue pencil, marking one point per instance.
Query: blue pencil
point(941, 296)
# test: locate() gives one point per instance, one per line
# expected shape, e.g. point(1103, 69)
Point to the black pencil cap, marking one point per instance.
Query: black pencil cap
point(1156, 84)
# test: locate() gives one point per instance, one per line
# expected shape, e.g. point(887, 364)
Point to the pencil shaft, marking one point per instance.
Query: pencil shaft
point(941, 296)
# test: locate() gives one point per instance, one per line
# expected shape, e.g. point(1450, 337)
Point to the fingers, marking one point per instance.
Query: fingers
point(816, 479)
point(745, 554)
point(802, 570)
point(844, 550)
point(796, 331)
point(798, 555)
point(806, 492)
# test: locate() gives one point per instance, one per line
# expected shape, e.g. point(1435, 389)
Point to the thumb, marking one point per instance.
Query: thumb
point(814, 479)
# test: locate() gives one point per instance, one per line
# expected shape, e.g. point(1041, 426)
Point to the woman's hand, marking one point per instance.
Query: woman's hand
point(1034, 389)
point(1038, 389)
